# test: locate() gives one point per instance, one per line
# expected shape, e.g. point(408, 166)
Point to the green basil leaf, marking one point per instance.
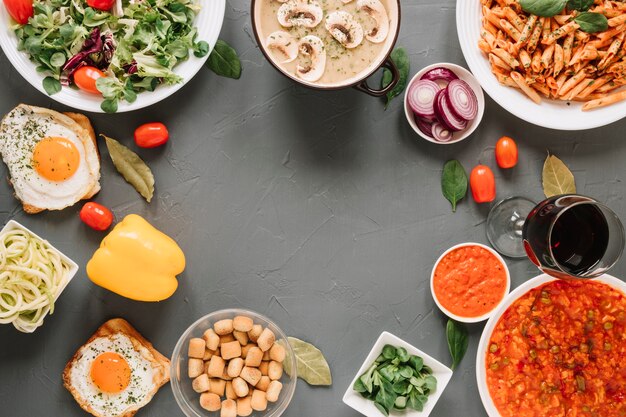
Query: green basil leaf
point(401, 60)
point(453, 182)
point(201, 49)
point(51, 85)
point(592, 22)
point(580, 5)
point(109, 105)
point(224, 61)
point(132, 167)
point(458, 340)
point(543, 8)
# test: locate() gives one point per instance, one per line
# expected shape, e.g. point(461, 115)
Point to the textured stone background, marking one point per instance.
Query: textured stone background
point(319, 210)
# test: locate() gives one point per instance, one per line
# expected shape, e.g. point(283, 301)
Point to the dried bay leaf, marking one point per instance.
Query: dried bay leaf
point(557, 178)
point(311, 364)
point(132, 167)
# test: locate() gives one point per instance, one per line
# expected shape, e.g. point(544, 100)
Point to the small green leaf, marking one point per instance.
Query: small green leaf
point(580, 5)
point(453, 182)
point(51, 85)
point(201, 49)
point(224, 61)
point(592, 22)
point(416, 362)
point(109, 105)
point(132, 167)
point(543, 8)
point(57, 59)
point(457, 336)
point(403, 355)
point(402, 62)
point(389, 352)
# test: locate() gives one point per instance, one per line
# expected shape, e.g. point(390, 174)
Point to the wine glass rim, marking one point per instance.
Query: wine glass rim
point(603, 207)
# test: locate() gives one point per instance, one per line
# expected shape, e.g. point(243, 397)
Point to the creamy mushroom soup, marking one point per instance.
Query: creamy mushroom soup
point(324, 41)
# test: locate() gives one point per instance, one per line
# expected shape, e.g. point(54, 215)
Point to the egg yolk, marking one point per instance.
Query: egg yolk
point(110, 372)
point(56, 158)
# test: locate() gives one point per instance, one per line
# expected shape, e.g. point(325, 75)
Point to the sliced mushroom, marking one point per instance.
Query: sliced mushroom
point(307, 13)
point(344, 27)
point(312, 47)
point(284, 43)
point(376, 10)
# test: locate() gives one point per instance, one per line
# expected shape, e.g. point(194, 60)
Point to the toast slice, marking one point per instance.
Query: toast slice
point(160, 364)
point(85, 126)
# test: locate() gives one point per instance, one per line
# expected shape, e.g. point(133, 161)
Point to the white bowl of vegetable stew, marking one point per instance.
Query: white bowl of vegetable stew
point(459, 116)
point(428, 367)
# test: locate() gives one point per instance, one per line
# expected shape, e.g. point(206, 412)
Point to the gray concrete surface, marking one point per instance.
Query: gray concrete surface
point(318, 209)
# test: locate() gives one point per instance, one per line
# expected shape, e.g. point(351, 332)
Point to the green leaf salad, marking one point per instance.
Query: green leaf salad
point(136, 44)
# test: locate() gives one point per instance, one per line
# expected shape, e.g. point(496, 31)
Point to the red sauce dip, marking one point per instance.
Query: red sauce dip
point(470, 281)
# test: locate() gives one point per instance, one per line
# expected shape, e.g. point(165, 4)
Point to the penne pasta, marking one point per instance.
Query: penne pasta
point(552, 56)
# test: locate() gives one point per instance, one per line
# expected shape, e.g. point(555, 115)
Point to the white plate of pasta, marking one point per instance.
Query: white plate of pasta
point(33, 274)
point(551, 74)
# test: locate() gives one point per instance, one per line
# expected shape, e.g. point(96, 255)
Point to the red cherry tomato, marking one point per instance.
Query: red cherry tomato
point(483, 184)
point(96, 216)
point(101, 4)
point(85, 78)
point(151, 135)
point(506, 152)
point(20, 10)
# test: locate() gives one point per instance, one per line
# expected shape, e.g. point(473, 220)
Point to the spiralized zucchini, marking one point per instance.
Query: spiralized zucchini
point(31, 276)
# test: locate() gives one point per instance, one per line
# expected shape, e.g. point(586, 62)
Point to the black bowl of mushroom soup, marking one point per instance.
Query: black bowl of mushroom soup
point(329, 44)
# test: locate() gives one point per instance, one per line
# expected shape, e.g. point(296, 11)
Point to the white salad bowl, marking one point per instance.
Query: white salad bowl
point(442, 373)
point(553, 114)
point(464, 75)
point(13, 225)
point(208, 22)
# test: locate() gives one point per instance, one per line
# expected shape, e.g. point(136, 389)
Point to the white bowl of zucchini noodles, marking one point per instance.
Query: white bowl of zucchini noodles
point(33, 274)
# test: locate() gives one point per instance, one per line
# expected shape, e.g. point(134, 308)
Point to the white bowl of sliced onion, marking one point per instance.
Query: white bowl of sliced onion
point(444, 103)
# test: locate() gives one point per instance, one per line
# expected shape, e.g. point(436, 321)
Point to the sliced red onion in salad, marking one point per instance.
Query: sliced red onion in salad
point(440, 74)
point(424, 126)
point(442, 104)
point(97, 51)
point(445, 115)
point(462, 99)
point(441, 133)
point(422, 98)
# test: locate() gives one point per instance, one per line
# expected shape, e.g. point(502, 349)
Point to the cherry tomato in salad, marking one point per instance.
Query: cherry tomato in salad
point(20, 10)
point(483, 184)
point(101, 4)
point(151, 135)
point(506, 152)
point(96, 216)
point(85, 78)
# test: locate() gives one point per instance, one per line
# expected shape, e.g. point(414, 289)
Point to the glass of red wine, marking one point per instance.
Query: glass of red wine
point(566, 236)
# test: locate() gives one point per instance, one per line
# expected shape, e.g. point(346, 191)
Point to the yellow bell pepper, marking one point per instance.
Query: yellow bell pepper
point(137, 261)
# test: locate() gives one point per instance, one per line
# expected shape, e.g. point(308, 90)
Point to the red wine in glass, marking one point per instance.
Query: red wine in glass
point(573, 236)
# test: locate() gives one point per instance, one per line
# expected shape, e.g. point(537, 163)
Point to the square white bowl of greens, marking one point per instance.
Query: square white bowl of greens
point(397, 378)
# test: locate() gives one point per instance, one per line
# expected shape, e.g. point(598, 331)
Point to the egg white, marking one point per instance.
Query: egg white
point(138, 393)
point(20, 132)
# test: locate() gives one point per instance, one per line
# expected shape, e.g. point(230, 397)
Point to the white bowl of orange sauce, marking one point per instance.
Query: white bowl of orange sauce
point(469, 282)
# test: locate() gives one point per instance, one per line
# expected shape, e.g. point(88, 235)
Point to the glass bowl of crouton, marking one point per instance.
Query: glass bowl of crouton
point(233, 363)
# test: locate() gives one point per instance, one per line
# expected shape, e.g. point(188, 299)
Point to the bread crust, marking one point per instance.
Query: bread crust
point(110, 328)
point(84, 122)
